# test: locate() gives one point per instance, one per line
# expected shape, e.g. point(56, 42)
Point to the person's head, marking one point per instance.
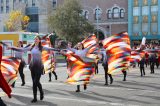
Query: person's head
point(69, 44)
point(80, 46)
point(37, 42)
point(20, 44)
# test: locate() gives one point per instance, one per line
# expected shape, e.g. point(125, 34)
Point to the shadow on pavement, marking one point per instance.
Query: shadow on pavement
point(26, 101)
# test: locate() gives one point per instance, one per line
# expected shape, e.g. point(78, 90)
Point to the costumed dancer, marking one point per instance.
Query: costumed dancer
point(81, 52)
point(3, 84)
point(19, 55)
point(36, 66)
point(105, 66)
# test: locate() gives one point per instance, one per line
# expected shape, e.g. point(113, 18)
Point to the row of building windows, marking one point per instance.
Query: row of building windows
point(145, 2)
point(145, 19)
point(113, 13)
point(54, 3)
point(145, 28)
point(147, 10)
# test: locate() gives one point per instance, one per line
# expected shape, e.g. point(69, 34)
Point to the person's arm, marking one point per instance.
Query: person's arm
point(72, 49)
point(20, 49)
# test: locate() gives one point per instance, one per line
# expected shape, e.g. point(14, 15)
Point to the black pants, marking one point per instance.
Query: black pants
point(106, 75)
point(36, 83)
point(96, 68)
point(21, 67)
point(142, 71)
point(125, 74)
point(2, 103)
point(50, 75)
point(152, 68)
point(78, 87)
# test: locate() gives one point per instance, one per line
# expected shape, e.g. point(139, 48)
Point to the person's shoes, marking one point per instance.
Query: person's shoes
point(106, 84)
point(23, 84)
point(111, 81)
point(50, 80)
point(85, 87)
point(124, 79)
point(41, 96)
point(56, 78)
point(34, 100)
point(77, 90)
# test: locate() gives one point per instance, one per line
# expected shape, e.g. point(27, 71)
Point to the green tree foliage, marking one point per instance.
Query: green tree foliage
point(69, 23)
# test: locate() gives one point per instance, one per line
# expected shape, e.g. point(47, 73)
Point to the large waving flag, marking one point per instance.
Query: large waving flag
point(80, 71)
point(3, 84)
point(89, 41)
point(136, 56)
point(118, 50)
point(9, 68)
point(48, 58)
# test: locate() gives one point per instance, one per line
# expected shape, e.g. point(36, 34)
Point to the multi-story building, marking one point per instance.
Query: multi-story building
point(37, 10)
point(108, 16)
point(144, 20)
point(6, 6)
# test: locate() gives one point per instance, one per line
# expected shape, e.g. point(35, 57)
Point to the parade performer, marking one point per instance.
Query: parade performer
point(3, 84)
point(19, 55)
point(82, 69)
point(36, 66)
point(105, 66)
point(48, 57)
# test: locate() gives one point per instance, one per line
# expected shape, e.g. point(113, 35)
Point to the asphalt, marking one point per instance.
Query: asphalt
point(136, 91)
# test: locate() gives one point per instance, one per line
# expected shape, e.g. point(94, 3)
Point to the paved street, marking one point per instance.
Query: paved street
point(136, 91)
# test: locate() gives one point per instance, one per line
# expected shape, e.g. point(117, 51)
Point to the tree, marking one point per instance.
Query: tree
point(17, 21)
point(68, 22)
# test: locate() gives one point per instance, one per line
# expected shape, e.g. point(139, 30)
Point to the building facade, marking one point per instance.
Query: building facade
point(108, 16)
point(37, 10)
point(144, 20)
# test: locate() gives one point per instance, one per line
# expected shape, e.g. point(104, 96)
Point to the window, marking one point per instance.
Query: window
point(135, 19)
point(154, 18)
point(33, 3)
point(136, 11)
point(54, 3)
point(85, 14)
point(109, 14)
point(136, 28)
point(154, 28)
point(145, 10)
point(34, 18)
point(14, 2)
point(145, 19)
point(98, 13)
point(2, 9)
point(115, 12)
point(122, 13)
point(154, 2)
point(145, 28)
point(1, 1)
point(135, 3)
point(7, 6)
point(145, 2)
point(154, 9)
point(7, 9)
